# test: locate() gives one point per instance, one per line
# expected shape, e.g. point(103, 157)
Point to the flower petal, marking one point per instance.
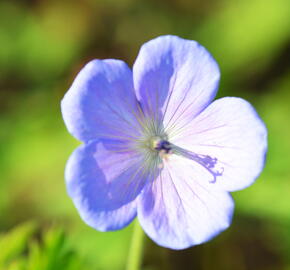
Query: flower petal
point(103, 180)
point(101, 102)
point(174, 77)
point(230, 131)
point(180, 209)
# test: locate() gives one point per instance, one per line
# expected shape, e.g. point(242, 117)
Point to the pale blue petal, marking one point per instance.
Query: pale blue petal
point(101, 102)
point(104, 179)
point(230, 134)
point(180, 209)
point(174, 78)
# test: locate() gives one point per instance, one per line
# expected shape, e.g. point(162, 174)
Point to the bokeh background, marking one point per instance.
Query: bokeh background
point(43, 45)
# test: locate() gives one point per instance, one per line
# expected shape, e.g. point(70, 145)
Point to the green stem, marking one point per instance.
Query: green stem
point(136, 249)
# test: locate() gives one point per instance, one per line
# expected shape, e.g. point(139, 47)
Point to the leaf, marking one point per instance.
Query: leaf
point(54, 253)
point(12, 244)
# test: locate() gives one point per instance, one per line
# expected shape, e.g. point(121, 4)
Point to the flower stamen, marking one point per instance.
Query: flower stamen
point(163, 145)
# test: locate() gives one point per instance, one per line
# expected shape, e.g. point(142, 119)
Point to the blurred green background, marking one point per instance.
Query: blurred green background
point(43, 45)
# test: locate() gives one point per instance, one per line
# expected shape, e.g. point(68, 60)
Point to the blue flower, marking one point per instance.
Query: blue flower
point(156, 145)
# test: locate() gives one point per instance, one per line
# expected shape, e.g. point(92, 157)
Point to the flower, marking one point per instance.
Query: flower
point(157, 146)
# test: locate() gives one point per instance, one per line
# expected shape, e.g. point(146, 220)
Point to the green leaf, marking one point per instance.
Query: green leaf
point(20, 250)
point(54, 253)
point(14, 243)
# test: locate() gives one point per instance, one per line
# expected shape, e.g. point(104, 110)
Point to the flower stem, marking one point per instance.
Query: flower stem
point(136, 248)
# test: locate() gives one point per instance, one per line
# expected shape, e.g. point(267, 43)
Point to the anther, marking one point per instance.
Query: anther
point(163, 146)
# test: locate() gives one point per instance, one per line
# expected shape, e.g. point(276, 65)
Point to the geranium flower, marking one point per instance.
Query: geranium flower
point(157, 146)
